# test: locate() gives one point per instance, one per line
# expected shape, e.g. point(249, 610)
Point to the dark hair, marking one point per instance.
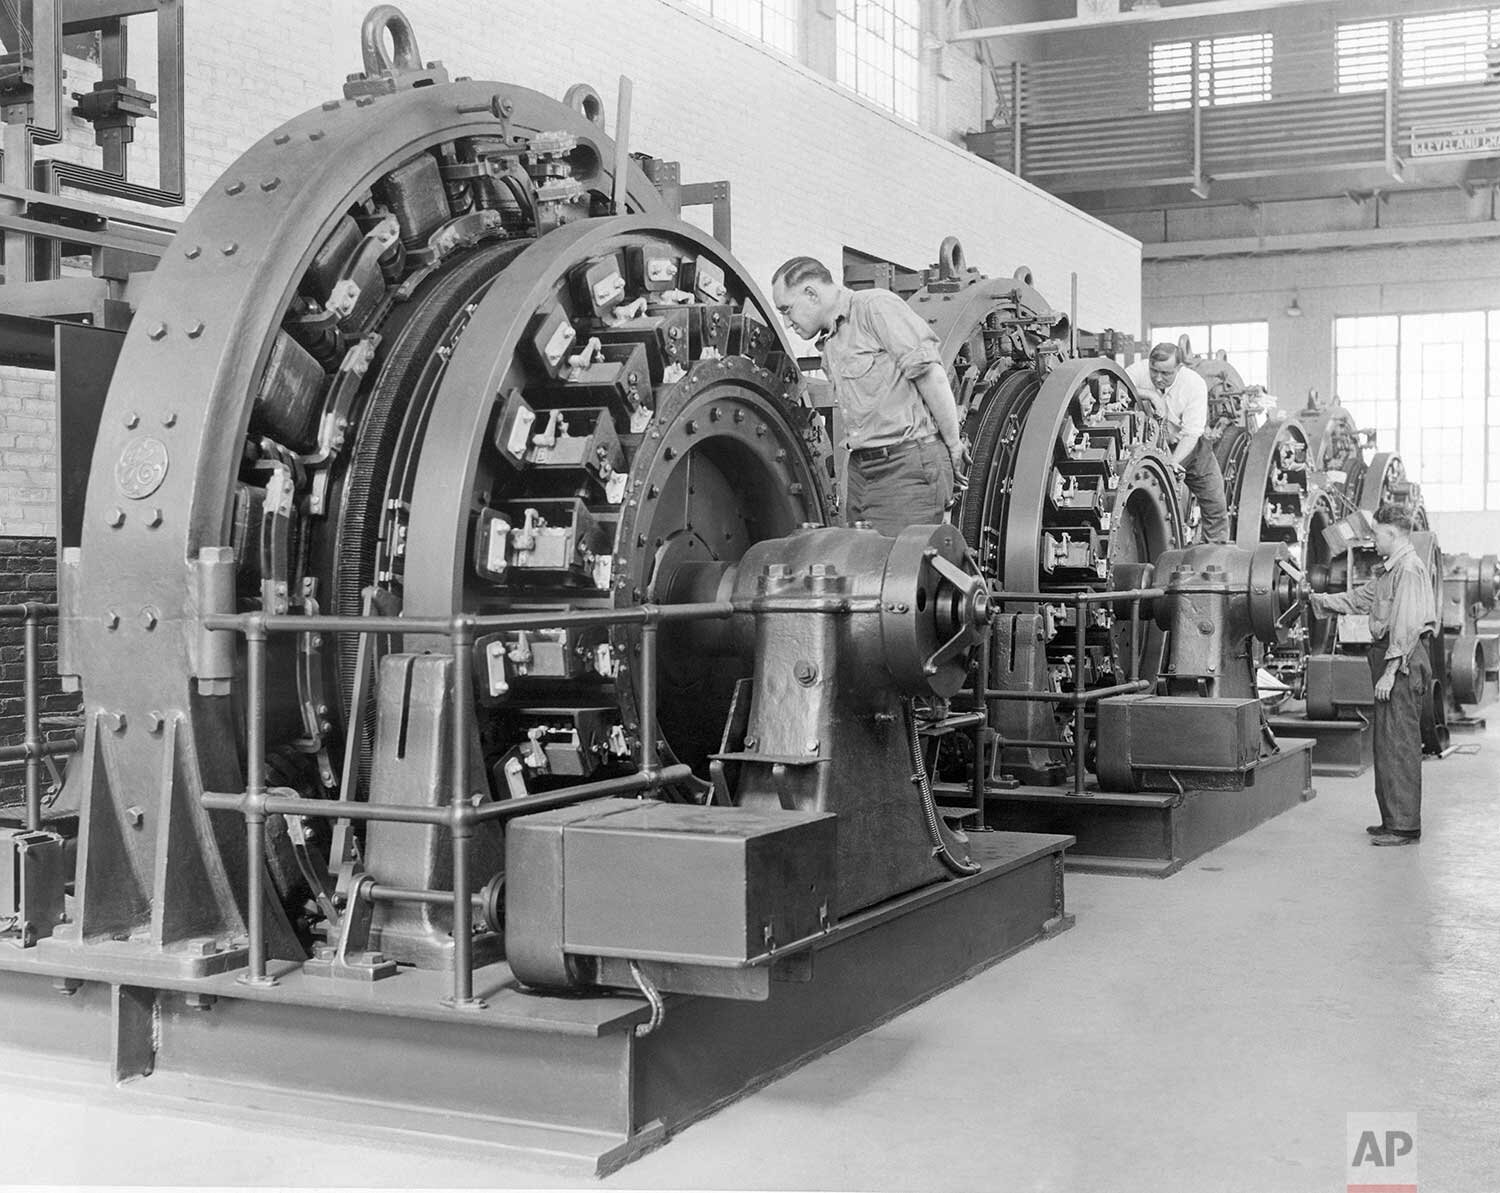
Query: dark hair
point(1165, 351)
point(1395, 515)
point(801, 269)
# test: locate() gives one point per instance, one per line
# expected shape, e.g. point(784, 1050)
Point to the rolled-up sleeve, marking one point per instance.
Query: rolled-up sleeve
point(1356, 601)
point(901, 332)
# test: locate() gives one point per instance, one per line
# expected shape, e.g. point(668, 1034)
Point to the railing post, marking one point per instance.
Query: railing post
point(1392, 81)
point(1200, 183)
point(981, 730)
point(650, 758)
point(1015, 118)
point(461, 816)
point(33, 721)
point(1080, 628)
point(255, 798)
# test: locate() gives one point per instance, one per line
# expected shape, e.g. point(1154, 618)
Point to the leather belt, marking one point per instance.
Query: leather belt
point(870, 455)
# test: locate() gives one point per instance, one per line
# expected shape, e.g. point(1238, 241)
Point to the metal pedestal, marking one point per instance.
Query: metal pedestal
point(1344, 748)
point(1152, 834)
point(563, 1082)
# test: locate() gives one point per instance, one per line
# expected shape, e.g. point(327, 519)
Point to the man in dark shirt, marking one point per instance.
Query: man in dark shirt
point(1400, 604)
point(900, 417)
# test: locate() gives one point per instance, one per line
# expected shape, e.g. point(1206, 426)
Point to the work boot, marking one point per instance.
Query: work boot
point(1376, 830)
point(1389, 838)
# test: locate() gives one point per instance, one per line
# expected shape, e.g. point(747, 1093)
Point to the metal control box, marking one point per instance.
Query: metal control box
point(1145, 740)
point(33, 871)
point(679, 883)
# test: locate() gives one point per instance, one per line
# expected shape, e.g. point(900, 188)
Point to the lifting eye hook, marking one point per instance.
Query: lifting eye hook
point(379, 20)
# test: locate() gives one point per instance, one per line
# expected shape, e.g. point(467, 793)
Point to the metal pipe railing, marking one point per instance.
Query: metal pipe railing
point(464, 812)
point(1081, 696)
point(32, 749)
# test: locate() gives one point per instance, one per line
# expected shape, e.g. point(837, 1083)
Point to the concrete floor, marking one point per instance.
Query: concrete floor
point(1210, 1031)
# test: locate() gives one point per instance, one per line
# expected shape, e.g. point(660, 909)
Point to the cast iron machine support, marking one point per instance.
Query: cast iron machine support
point(846, 627)
point(1204, 725)
point(1071, 504)
point(1069, 492)
point(432, 453)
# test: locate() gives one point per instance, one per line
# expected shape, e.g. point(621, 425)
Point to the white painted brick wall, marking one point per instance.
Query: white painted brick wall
point(813, 167)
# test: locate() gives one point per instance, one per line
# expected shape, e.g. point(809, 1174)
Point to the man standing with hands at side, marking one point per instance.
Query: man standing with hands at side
point(1403, 616)
point(1181, 398)
point(900, 416)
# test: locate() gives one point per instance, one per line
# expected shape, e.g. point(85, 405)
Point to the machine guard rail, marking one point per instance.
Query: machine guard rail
point(255, 803)
point(1080, 697)
point(33, 748)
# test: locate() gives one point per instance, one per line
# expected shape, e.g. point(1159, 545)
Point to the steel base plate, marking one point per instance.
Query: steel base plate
point(1345, 748)
point(561, 1083)
point(1153, 835)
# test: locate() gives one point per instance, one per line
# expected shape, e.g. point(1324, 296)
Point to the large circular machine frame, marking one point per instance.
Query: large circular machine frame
point(182, 422)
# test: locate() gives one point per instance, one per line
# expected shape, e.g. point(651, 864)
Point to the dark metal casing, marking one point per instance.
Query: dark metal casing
point(723, 888)
point(33, 871)
point(1150, 742)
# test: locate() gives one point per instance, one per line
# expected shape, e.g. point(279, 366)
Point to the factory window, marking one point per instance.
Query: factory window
point(1424, 385)
point(1246, 345)
point(1441, 49)
point(1492, 411)
point(1366, 350)
point(1446, 48)
point(1231, 70)
point(879, 51)
point(1364, 56)
point(773, 21)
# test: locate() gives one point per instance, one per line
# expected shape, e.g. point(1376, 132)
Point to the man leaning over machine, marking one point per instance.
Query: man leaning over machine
point(1403, 616)
point(1181, 398)
point(900, 416)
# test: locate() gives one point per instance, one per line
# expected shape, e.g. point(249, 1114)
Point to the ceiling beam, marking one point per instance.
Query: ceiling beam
point(1312, 242)
point(1136, 16)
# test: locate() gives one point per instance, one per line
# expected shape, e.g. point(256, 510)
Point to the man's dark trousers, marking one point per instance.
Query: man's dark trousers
point(1206, 482)
point(905, 485)
point(1398, 738)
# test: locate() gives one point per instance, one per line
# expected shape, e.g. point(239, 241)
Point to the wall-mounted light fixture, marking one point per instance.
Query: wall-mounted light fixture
point(1293, 309)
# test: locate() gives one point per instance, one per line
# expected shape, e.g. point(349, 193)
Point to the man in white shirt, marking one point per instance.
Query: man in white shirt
point(1181, 398)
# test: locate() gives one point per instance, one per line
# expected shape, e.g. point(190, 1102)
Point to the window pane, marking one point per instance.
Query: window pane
point(1197, 334)
point(1231, 70)
point(1245, 345)
point(878, 52)
point(1364, 56)
point(1444, 48)
point(775, 22)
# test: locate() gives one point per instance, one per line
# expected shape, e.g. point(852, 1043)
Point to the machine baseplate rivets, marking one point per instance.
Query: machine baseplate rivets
point(315, 135)
point(281, 139)
point(115, 722)
point(153, 519)
point(134, 815)
point(169, 419)
point(805, 672)
point(230, 248)
point(149, 618)
point(193, 252)
point(194, 330)
point(131, 420)
point(115, 517)
point(270, 184)
point(155, 722)
point(111, 620)
point(234, 188)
